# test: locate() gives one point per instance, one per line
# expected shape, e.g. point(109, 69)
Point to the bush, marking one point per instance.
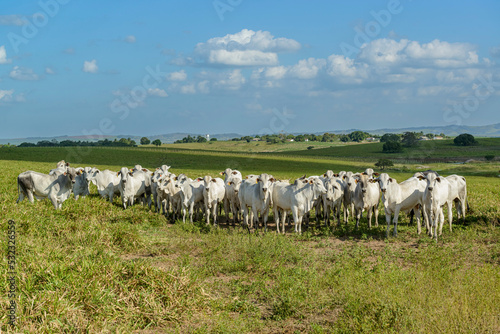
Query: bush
point(310, 147)
point(489, 157)
point(383, 163)
point(392, 147)
point(465, 139)
point(390, 137)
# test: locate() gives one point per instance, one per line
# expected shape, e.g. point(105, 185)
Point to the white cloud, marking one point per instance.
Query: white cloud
point(12, 20)
point(3, 56)
point(412, 53)
point(90, 66)
point(203, 87)
point(23, 73)
point(307, 68)
point(49, 70)
point(177, 76)
point(157, 92)
point(276, 72)
point(188, 89)
point(245, 48)
point(242, 58)
point(233, 81)
point(6, 95)
point(130, 39)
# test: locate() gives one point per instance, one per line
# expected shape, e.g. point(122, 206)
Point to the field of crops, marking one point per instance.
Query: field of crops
point(94, 267)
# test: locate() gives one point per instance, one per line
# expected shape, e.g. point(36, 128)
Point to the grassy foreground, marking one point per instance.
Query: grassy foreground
point(93, 267)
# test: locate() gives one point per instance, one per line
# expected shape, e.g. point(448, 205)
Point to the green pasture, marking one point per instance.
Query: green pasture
point(94, 267)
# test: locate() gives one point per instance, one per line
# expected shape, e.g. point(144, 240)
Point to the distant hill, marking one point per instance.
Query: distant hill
point(492, 130)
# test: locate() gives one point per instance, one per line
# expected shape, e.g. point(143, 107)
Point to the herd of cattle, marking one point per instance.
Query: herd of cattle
point(425, 194)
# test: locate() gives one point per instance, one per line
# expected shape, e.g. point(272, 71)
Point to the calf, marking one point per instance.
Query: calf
point(191, 194)
point(436, 195)
point(232, 182)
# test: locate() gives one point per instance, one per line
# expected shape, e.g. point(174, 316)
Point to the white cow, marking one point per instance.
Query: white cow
point(298, 197)
point(56, 187)
point(366, 197)
point(403, 196)
point(132, 185)
point(213, 195)
point(458, 194)
point(158, 175)
point(106, 181)
point(191, 194)
point(256, 195)
point(232, 182)
point(436, 195)
point(333, 198)
point(169, 188)
point(81, 185)
point(349, 190)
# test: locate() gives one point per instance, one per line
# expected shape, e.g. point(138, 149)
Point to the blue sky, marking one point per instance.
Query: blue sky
point(70, 67)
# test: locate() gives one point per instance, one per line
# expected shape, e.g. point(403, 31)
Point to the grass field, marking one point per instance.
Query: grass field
point(94, 267)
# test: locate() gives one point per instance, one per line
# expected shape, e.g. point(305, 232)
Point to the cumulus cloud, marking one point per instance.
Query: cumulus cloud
point(157, 92)
point(188, 89)
point(90, 66)
point(49, 70)
point(23, 73)
point(3, 56)
point(233, 80)
point(130, 39)
point(276, 72)
point(436, 53)
point(6, 95)
point(245, 48)
point(12, 20)
point(177, 76)
point(307, 68)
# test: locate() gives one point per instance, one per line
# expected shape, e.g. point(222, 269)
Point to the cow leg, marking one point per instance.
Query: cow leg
point(450, 214)
point(276, 219)
point(395, 221)
point(375, 212)
point(369, 214)
point(214, 213)
point(357, 212)
point(295, 214)
point(388, 221)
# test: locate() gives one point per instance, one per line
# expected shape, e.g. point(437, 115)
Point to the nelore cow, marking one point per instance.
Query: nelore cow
point(106, 181)
point(255, 193)
point(56, 187)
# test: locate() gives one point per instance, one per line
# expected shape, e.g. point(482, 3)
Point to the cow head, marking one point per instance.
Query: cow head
point(384, 180)
point(123, 173)
point(265, 181)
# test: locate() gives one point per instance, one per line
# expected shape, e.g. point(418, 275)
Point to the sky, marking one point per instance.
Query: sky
point(81, 68)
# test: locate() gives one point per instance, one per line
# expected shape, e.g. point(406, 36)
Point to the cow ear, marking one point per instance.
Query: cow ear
point(336, 175)
point(376, 174)
point(356, 180)
point(222, 173)
point(311, 181)
point(343, 177)
point(438, 179)
point(272, 179)
point(118, 173)
point(324, 175)
point(65, 173)
point(67, 164)
point(420, 177)
point(130, 173)
point(257, 180)
point(391, 179)
point(230, 183)
point(214, 180)
point(157, 168)
point(234, 173)
point(304, 181)
point(175, 178)
point(364, 173)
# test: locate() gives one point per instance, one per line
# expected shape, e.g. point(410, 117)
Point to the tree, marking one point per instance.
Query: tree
point(145, 141)
point(358, 136)
point(392, 147)
point(201, 139)
point(489, 157)
point(409, 139)
point(344, 138)
point(390, 137)
point(157, 142)
point(213, 139)
point(465, 139)
point(383, 163)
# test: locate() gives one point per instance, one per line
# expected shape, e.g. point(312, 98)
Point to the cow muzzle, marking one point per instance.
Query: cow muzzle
point(383, 190)
point(430, 188)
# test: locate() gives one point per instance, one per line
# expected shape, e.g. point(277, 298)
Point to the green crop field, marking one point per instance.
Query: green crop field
point(94, 267)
